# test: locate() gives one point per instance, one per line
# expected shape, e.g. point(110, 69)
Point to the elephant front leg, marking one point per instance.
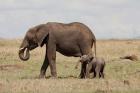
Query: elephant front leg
point(52, 61)
point(44, 67)
point(53, 68)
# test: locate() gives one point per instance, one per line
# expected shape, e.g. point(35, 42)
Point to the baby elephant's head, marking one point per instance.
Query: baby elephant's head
point(86, 58)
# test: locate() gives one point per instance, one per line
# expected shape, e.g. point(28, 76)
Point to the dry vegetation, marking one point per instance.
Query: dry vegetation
point(121, 75)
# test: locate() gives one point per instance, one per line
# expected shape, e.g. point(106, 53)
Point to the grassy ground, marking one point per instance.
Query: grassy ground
point(121, 76)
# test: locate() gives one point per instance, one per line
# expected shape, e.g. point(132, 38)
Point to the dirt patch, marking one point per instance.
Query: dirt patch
point(11, 67)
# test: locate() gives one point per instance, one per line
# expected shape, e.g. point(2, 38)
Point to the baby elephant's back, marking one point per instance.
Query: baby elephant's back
point(100, 61)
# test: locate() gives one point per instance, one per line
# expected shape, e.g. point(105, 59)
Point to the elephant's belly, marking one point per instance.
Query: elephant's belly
point(69, 50)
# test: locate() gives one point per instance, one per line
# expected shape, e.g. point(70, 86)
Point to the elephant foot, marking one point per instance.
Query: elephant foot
point(53, 77)
point(41, 77)
point(81, 76)
point(87, 76)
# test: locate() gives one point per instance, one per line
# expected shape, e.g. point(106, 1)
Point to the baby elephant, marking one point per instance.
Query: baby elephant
point(94, 65)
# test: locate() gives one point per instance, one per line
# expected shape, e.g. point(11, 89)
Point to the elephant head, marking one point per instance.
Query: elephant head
point(34, 37)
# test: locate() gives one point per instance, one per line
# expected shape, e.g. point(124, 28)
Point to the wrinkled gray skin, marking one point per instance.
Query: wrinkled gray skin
point(74, 39)
point(94, 65)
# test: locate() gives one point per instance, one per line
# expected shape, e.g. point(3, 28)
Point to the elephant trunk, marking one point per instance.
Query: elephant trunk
point(24, 54)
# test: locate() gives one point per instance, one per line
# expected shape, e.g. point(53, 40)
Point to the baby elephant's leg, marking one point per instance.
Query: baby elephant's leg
point(88, 70)
point(102, 75)
point(102, 72)
point(97, 70)
point(94, 73)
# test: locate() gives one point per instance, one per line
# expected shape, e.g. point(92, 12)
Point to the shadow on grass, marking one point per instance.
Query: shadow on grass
point(49, 77)
point(68, 77)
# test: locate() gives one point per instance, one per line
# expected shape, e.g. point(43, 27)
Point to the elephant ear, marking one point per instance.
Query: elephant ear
point(42, 33)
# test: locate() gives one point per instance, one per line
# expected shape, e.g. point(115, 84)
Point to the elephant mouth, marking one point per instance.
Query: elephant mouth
point(24, 54)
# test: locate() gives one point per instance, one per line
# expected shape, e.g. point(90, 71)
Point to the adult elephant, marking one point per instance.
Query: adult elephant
point(73, 39)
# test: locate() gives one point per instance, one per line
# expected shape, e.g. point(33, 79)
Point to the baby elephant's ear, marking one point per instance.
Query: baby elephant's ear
point(91, 56)
point(84, 58)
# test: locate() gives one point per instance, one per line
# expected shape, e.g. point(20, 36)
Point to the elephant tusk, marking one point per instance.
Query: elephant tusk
point(21, 49)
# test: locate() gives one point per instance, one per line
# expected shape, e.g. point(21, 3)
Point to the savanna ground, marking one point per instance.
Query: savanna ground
point(121, 76)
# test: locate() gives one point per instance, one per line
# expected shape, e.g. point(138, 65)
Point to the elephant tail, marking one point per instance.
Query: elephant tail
point(94, 42)
point(95, 48)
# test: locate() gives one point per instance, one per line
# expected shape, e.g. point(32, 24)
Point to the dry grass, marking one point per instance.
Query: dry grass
point(121, 76)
